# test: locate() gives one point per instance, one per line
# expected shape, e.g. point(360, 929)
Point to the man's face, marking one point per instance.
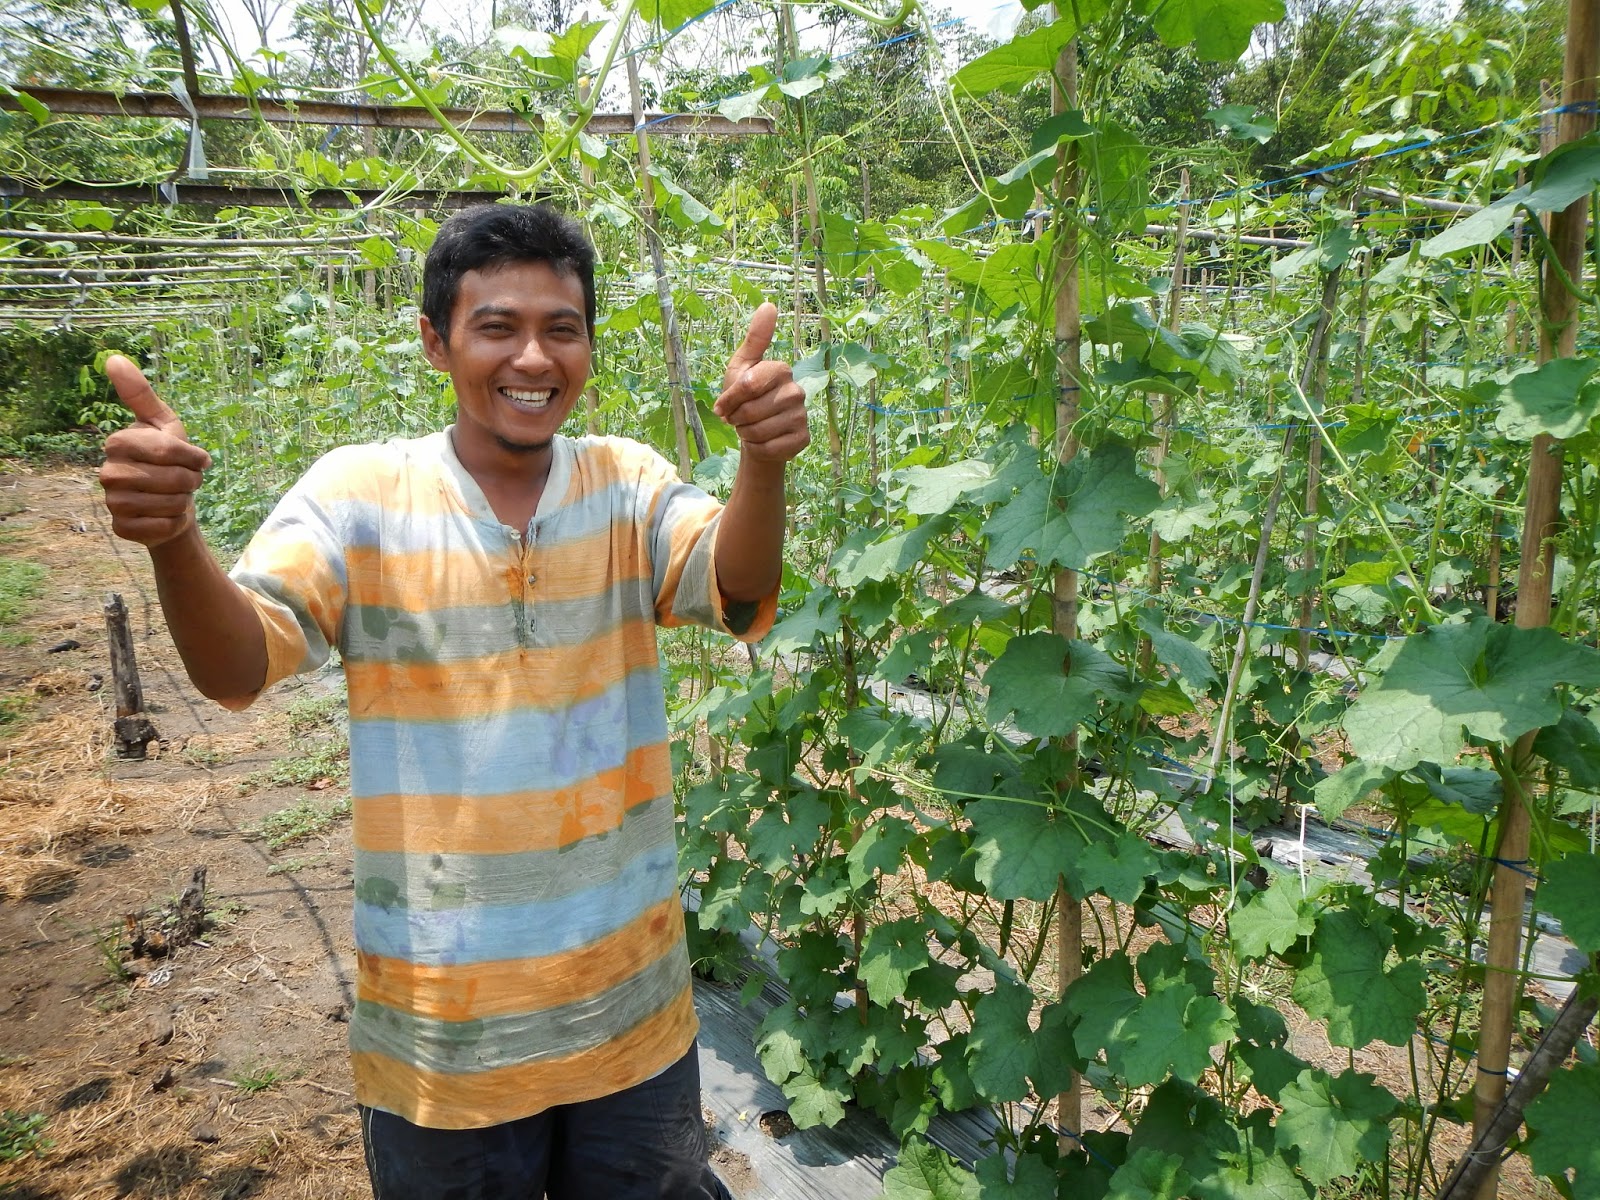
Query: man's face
point(518, 355)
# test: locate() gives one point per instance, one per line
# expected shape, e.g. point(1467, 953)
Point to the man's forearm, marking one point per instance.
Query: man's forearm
point(213, 624)
point(750, 540)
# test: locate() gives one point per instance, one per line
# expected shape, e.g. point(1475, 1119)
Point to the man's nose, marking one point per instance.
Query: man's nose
point(532, 355)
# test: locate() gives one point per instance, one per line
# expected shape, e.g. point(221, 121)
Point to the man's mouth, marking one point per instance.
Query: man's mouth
point(527, 400)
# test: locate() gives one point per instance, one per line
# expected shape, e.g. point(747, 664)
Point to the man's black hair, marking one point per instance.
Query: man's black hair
point(486, 236)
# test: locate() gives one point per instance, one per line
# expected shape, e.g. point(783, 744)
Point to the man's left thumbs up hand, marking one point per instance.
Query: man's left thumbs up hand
point(760, 398)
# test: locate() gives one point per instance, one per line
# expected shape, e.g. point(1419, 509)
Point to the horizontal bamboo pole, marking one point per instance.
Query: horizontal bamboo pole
point(76, 102)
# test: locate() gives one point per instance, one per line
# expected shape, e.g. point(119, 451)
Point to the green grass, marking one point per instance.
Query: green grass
point(308, 714)
point(14, 707)
point(302, 821)
point(295, 865)
point(20, 584)
point(257, 1077)
point(21, 1133)
point(330, 761)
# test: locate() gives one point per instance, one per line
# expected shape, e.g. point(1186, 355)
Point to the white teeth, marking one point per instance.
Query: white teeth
point(532, 399)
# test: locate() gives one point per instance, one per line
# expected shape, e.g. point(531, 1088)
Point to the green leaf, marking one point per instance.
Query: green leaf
point(824, 892)
point(927, 1173)
point(1562, 176)
point(1001, 1048)
point(876, 735)
point(861, 559)
point(1378, 573)
point(1243, 121)
point(684, 209)
point(815, 1101)
point(1562, 1121)
point(1120, 162)
point(890, 954)
point(1573, 744)
point(780, 1043)
point(1068, 126)
point(27, 103)
point(1031, 1178)
point(1346, 983)
point(1491, 681)
point(817, 617)
point(1075, 517)
point(1169, 1029)
point(670, 14)
point(1347, 785)
point(929, 491)
point(1009, 67)
point(1150, 1174)
point(804, 76)
point(743, 106)
point(1255, 1170)
point(1571, 893)
point(1053, 685)
point(1117, 868)
point(1556, 398)
point(1273, 920)
point(1185, 660)
point(1219, 29)
point(1335, 1124)
point(1022, 849)
point(881, 847)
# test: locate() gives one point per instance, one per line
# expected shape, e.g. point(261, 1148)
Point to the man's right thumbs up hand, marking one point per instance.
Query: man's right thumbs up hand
point(152, 470)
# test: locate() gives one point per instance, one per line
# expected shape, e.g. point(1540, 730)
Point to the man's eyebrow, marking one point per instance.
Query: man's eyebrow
point(505, 310)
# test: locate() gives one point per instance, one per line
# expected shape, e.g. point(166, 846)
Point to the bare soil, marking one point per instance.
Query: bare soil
point(220, 1069)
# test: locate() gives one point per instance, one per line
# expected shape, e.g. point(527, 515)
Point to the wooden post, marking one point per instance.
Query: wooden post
point(132, 728)
point(1558, 338)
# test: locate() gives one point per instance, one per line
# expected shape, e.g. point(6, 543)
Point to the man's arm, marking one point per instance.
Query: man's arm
point(767, 409)
point(150, 476)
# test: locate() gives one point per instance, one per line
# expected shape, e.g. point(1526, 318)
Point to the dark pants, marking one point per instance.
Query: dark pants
point(648, 1141)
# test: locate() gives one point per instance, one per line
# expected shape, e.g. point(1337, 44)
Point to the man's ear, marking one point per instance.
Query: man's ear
point(434, 348)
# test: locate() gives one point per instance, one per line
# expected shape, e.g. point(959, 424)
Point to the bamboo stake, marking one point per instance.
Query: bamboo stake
point(1269, 519)
point(1485, 1154)
point(591, 393)
point(1558, 337)
point(1313, 500)
point(1154, 576)
point(683, 414)
point(814, 225)
point(1069, 380)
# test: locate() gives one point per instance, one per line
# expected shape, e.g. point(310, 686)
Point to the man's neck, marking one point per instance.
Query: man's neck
point(512, 480)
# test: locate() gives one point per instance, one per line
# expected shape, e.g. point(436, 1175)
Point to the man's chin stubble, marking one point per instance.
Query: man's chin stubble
point(507, 444)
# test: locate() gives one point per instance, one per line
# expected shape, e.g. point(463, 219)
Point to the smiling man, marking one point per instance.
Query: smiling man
point(524, 1023)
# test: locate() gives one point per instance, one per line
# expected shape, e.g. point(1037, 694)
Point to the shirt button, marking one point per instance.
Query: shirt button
point(532, 579)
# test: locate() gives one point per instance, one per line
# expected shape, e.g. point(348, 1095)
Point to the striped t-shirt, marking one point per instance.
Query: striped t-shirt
point(518, 932)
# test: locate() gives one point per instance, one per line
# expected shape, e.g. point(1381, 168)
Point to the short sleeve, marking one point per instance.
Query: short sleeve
point(681, 524)
point(293, 572)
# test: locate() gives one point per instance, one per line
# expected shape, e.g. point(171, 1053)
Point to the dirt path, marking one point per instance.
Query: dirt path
point(219, 1070)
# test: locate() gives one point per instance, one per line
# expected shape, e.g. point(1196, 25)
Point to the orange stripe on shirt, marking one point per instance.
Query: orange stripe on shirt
point(520, 985)
point(504, 1094)
point(517, 822)
point(496, 683)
